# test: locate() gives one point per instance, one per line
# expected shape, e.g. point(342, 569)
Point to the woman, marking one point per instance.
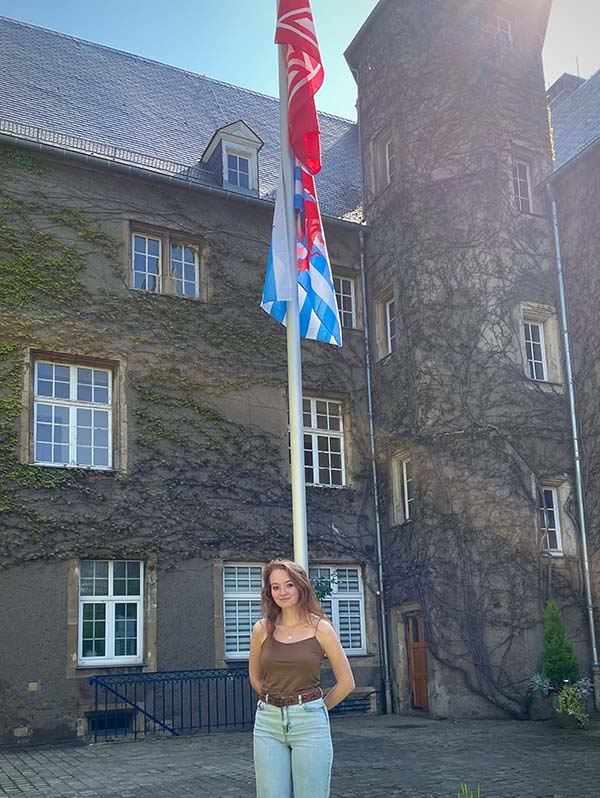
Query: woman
point(292, 742)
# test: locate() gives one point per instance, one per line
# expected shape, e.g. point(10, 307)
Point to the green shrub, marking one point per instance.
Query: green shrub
point(466, 792)
point(560, 665)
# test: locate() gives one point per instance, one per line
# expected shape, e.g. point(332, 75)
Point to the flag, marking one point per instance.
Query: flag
point(319, 317)
point(296, 28)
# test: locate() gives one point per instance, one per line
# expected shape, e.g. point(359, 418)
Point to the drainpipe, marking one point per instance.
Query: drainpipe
point(387, 680)
point(576, 449)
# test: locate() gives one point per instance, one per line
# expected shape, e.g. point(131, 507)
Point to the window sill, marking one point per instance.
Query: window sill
point(352, 330)
point(166, 295)
point(326, 487)
point(401, 524)
point(530, 214)
point(104, 666)
point(546, 386)
point(68, 466)
point(554, 554)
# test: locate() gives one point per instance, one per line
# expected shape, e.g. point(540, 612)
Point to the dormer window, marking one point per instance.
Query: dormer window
point(238, 170)
point(232, 155)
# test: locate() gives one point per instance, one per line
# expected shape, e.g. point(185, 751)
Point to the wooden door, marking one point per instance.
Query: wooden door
point(417, 661)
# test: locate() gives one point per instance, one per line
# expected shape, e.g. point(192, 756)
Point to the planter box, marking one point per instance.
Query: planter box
point(542, 707)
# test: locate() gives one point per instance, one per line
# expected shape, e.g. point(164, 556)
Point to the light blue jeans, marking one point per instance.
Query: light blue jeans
point(292, 750)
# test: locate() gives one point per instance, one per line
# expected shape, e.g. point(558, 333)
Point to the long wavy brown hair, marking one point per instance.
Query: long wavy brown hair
point(308, 603)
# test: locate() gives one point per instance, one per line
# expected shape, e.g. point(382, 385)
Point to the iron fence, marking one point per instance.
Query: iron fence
point(170, 702)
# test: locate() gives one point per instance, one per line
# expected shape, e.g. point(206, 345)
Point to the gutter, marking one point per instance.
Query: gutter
point(576, 447)
point(387, 679)
point(139, 171)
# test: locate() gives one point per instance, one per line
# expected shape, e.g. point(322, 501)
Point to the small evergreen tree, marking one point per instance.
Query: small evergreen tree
point(559, 661)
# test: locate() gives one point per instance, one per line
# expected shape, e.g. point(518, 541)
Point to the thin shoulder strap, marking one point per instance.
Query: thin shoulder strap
point(317, 626)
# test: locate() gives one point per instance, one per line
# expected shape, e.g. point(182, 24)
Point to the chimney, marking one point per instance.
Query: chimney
point(562, 88)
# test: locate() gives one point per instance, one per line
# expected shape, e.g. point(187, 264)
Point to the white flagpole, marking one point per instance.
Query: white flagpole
point(293, 329)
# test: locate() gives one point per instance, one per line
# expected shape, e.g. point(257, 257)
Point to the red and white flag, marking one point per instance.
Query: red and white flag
point(296, 28)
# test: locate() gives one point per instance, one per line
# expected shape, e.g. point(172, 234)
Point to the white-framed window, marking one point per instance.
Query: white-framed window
point(522, 185)
point(504, 31)
point(240, 167)
point(110, 612)
point(345, 298)
point(242, 603)
point(164, 264)
point(390, 325)
point(146, 263)
point(238, 170)
point(549, 519)
point(403, 492)
point(384, 160)
point(72, 415)
point(346, 605)
point(184, 270)
point(323, 442)
point(535, 350)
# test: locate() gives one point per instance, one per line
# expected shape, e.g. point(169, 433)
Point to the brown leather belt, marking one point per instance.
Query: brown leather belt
point(288, 700)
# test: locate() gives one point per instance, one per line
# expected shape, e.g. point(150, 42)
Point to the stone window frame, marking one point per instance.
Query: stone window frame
point(550, 490)
point(385, 343)
point(118, 432)
point(76, 671)
point(222, 595)
point(523, 202)
point(167, 238)
point(561, 487)
point(384, 168)
point(402, 483)
point(544, 316)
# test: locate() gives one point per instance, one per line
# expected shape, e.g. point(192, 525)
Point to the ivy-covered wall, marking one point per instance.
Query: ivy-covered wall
point(201, 407)
point(463, 265)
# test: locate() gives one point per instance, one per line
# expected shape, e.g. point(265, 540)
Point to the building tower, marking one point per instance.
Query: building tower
point(470, 412)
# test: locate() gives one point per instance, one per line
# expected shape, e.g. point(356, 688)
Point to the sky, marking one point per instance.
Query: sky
point(232, 40)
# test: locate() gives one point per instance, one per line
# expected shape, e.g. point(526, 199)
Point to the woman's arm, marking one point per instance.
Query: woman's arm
point(344, 680)
point(258, 635)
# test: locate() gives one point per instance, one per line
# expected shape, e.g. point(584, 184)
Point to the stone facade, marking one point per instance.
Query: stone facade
point(450, 101)
point(201, 472)
point(468, 434)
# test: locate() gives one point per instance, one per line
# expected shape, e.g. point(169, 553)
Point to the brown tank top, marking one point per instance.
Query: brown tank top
point(290, 668)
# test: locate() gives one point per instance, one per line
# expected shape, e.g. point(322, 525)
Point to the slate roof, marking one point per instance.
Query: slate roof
point(576, 121)
point(122, 106)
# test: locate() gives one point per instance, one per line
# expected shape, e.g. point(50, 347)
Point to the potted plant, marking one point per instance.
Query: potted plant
point(558, 691)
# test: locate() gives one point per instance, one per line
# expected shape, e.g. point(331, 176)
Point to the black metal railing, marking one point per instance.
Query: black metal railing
point(170, 702)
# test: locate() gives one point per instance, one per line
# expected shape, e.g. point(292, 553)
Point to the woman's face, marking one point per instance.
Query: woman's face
point(283, 590)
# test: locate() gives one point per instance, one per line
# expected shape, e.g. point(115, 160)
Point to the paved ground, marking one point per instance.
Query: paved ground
point(378, 757)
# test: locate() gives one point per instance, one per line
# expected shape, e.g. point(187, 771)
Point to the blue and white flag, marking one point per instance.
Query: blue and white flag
point(319, 317)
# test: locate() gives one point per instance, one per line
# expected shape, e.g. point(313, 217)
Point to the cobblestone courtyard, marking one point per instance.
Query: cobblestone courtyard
point(374, 756)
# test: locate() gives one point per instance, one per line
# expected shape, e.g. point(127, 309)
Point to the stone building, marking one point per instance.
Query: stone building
point(575, 187)
point(143, 446)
